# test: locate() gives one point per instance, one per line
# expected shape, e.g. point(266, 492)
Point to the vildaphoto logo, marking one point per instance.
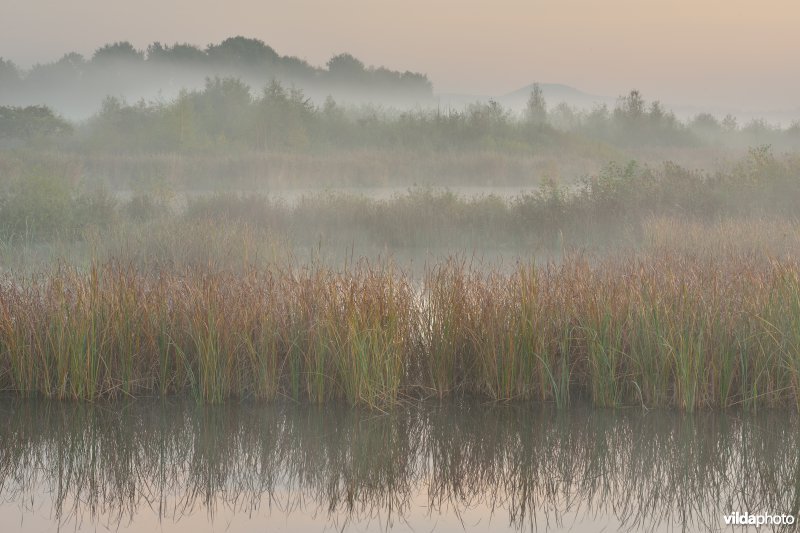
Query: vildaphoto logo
point(758, 520)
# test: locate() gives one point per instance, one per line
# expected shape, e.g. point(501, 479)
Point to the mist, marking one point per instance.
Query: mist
point(134, 145)
point(384, 265)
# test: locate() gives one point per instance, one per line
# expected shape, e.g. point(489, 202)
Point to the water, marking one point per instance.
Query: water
point(148, 466)
point(292, 195)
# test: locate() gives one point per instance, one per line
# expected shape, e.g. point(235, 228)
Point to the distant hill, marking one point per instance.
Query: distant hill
point(554, 94)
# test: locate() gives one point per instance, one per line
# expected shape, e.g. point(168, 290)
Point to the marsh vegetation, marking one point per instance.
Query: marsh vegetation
point(662, 329)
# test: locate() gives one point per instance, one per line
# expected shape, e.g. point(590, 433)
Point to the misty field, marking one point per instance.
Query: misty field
point(750, 204)
point(637, 286)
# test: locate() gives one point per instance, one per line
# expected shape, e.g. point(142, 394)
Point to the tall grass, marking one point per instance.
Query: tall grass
point(653, 329)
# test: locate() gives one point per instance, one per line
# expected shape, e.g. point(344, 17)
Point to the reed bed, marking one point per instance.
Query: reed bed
point(653, 329)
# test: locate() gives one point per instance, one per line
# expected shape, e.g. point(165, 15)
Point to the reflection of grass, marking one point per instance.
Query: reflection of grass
point(654, 329)
point(535, 465)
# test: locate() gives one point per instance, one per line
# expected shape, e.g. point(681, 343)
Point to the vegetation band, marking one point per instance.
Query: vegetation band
point(653, 329)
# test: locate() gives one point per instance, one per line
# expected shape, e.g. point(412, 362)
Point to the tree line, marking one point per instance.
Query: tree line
point(76, 84)
point(226, 113)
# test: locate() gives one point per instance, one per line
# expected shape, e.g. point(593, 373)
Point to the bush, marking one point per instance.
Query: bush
point(42, 207)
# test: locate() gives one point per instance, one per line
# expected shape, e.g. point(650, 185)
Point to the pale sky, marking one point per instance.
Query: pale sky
point(705, 52)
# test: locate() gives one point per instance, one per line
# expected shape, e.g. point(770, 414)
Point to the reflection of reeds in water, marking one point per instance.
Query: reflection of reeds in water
point(653, 329)
point(535, 466)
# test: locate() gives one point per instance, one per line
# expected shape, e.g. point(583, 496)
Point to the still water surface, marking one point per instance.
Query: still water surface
point(150, 466)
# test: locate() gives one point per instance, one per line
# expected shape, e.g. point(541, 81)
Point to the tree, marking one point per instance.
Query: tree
point(345, 67)
point(177, 54)
point(596, 122)
point(119, 51)
point(31, 122)
point(729, 123)
point(65, 73)
point(706, 124)
point(536, 110)
point(630, 107)
point(418, 82)
point(631, 119)
point(223, 107)
point(657, 113)
point(283, 117)
point(564, 117)
point(793, 130)
point(242, 51)
point(9, 73)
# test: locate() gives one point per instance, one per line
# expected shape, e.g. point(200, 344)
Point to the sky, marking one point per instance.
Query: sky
point(713, 53)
